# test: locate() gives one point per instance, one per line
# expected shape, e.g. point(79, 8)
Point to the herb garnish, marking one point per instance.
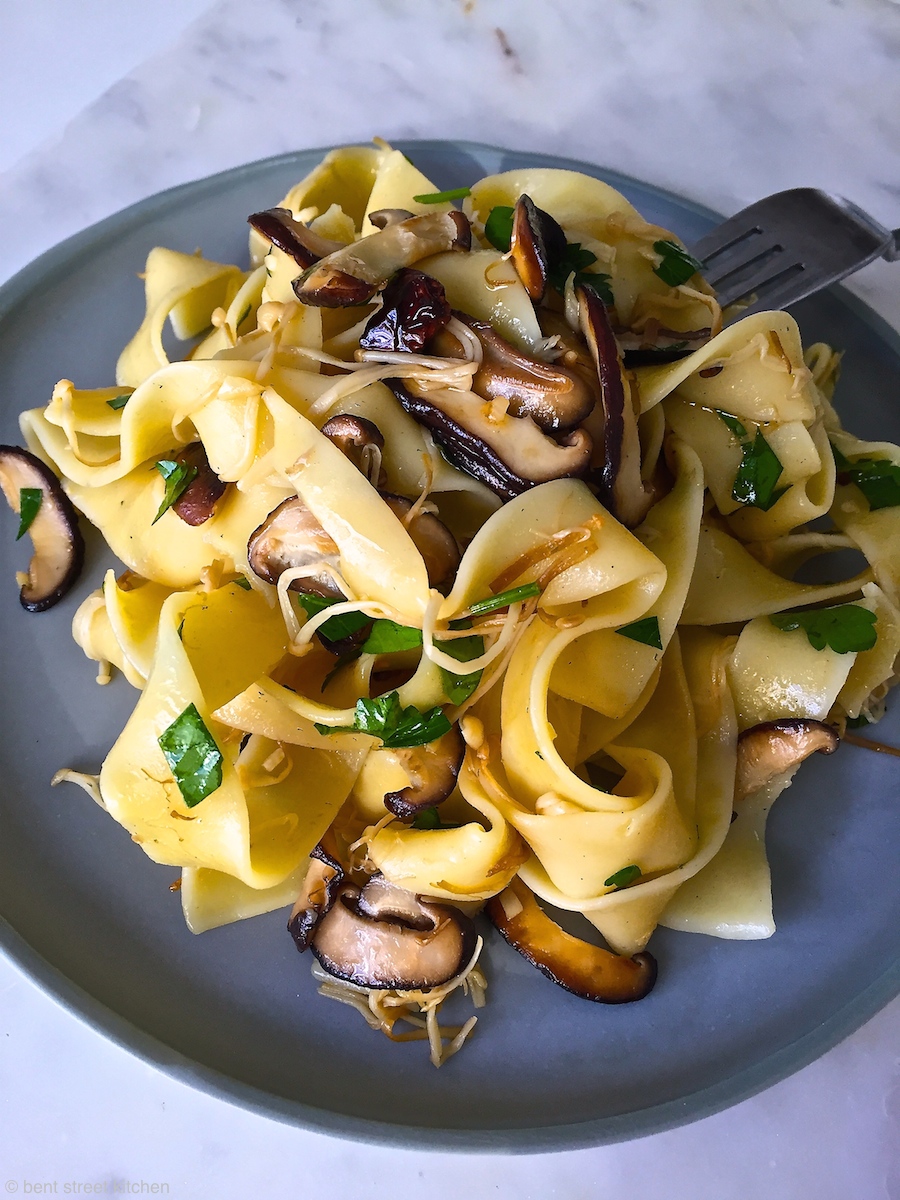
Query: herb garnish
point(29, 506)
point(458, 688)
point(459, 193)
point(859, 722)
point(624, 877)
point(387, 637)
point(335, 628)
point(193, 756)
point(178, 477)
point(498, 227)
point(645, 630)
point(242, 582)
point(385, 718)
point(732, 422)
point(502, 600)
point(877, 478)
point(574, 262)
point(118, 402)
point(845, 628)
point(759, 472)
point(430, 818)
point(677, 265)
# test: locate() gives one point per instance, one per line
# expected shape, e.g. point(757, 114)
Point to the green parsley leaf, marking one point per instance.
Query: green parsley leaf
point(624, 877)
point(877, 478)
point(242, 583)
point(846, 628)
point(193, 756)
point(498, 227)
point(178, 477)
point(430, 818)
point(859, 722)
point(336, 628)
point(645, 630)
point(118, 402)
point(732, 422)
point(459, 193)
point(503, 599)
point(29, 506)
point(385, 718)
point(575, 262)
point(677, 265)
point(387, 637)
point(458, 688)
point(760, 470)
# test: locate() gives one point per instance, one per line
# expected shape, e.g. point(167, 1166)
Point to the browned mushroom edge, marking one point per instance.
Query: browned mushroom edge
point(417, 944)
point(360, 440)
point(773, 747)
point(556, 397)
point(288, 538)
point(55, 536)
point(382, 217)
point(432, 769)
point(431, 537)
point(536, 246)
point(585, 970)
point(414, 309)
point(353, 274)
point(282, 229)
point(197, 503)
point(468, 447)
point(320, 889)
point(618, 473)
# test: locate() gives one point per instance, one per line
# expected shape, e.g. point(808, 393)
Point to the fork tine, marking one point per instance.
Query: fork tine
point(728, 271)
point(786, 287)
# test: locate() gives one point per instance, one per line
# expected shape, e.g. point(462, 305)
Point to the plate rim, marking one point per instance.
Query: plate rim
point(595, 1131)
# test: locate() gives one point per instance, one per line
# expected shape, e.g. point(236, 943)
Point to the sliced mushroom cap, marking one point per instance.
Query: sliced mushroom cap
point(421, 947)
point(618, 474)
point(283, 230)
point(197, 503)
point(58, 545)
point(587, 971)
point(415, 308)
point(431, 537)
point(381, 900)
point(556, 398)
point(773, 747)
point(360, 440)
point(383, 217)
point(659, 344)
point(537, 245)
point(291, 537)
point(320, 889)
point(353, 274)
point(431, 769)
point(509, 455)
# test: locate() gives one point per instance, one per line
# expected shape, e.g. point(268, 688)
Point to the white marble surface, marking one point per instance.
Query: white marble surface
point(719, 102)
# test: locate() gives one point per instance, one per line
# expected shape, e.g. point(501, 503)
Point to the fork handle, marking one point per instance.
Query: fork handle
point(893, 252)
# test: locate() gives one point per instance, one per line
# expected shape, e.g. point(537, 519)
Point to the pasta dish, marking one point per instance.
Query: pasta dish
point(475, 565)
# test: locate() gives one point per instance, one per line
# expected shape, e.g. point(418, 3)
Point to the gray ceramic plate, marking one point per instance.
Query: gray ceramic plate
point(235, 1011)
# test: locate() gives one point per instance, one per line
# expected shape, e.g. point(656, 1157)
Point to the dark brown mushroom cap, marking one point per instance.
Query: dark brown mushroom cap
point(358, 439)
point(320, 889)
point(618, 474)
point(414, 309)
point(554, 396)
point(292, 537)
point(431, 537)
point(773, 747)
point(536, 246)
point(58, 545)
point(381, 900)
point(197, 503)
point(431, 769)
point(353, 274)
point(421, 946)
point(283, 230)
point(508, 457)
point(587, 971)
point(382, 217)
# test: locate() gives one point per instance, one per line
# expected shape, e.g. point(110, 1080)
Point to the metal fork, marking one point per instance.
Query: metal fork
point(789, 245)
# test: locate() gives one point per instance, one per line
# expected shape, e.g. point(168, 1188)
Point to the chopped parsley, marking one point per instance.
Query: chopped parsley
point(30, 500)
point(645, 630)
point(575, 262)
point(624, 877)
point(385, 718)
point(387, 637)
point(118, 402)
point(758, 474)
point(845, 628)
point(732, 422)
point(498, 227)
point(458, 688)
point(193, 756)
point(335, 628)
point(677, 266)
point(430, 818)
point(877, 478)
point(459, 193)
point(242, 583)
point(178, 477)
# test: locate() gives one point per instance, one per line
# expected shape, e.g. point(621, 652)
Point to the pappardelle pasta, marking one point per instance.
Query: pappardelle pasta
point(468, 570)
